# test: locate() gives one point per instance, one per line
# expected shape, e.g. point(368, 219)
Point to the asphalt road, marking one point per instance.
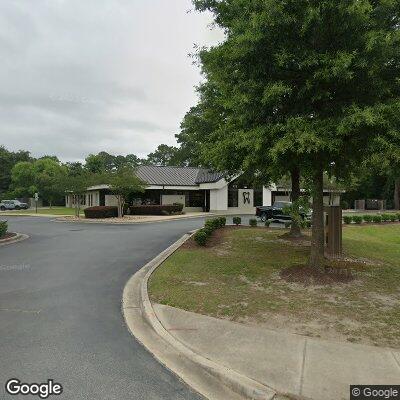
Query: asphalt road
point(60, 309)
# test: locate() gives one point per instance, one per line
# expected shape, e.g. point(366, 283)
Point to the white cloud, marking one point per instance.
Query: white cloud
point(79, 77)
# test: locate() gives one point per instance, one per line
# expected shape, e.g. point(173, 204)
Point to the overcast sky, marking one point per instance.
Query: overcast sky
point(82, 76)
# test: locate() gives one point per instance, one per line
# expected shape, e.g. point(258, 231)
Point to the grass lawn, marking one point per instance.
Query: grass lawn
point(238, 278)
point(377, 212)
point(42, 211)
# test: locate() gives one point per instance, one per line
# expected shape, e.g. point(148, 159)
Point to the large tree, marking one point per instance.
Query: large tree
point(312, 81)
point(105, 162)
point(165, 155)
point(205, 124)
point(44, 176)
point(7, 161)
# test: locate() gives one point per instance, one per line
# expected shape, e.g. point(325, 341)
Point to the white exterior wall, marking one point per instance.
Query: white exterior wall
point(246, 205)
point(267, 196)
point(95, 198)
point(68, 200)
point(110, 200)
point(219, 199)
point(335, 200)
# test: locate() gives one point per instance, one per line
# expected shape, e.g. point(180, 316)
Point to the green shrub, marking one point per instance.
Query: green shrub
point(201, 237)
point(178, 207)
point(222, 221)
point(308, 223)
point(385, 217)
point(253, 222)
point(393, 217)
point(377, 219)
point(368, 218)
point(237, 220)
point(358, 219)
point(212, 224)
point(156, 209)
point(398, 216)
point(209, 230)
point(348, 219)
point(267, 223)
point(344, 205)
point(288, 224)
point(101, 212)
point(3, 228)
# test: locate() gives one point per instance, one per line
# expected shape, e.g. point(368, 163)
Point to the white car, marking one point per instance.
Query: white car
point(13, 205)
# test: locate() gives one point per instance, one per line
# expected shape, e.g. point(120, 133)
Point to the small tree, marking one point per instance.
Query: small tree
point(77, 184)
point(122, 183)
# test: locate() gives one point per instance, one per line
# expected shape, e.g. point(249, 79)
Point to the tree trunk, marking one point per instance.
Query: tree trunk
point(295, 230)
point(120, 207)
point(75, 204)
point(397, 193)
point(317, 238)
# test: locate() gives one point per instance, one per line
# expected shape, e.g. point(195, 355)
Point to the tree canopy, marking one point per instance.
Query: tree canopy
point(122, 183)
point(165, 155)
point(44, 176)
point(105, 162)
point(7, 161)
point(302, 82)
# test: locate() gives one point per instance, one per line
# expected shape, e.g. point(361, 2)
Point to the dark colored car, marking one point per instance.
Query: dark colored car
point(276, 213)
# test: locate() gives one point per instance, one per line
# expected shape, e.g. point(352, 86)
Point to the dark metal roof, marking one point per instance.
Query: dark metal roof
point(176, 176)
point(207, 176)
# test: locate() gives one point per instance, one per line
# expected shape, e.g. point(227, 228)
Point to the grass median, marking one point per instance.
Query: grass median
point(42, 211)
point(239, 277)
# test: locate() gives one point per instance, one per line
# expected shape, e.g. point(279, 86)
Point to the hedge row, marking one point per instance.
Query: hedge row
point(253, 222)
point(156, 210)
point(3, 228)
point(368, 218)
point(101, 212)
point(112, 211)
point(201, 236)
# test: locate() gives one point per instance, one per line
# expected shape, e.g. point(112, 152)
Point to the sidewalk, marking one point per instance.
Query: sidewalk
point(291, 364)
point(227, 360)
point(134, 219)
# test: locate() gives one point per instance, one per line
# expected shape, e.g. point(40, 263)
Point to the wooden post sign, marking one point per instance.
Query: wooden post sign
point(333, 230)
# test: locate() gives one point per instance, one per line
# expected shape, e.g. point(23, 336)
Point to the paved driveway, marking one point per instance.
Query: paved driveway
point(60, 317)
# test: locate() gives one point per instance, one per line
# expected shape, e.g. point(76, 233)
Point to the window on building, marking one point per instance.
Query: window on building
point(195, 198)
point(233, 196)
point(258, 197)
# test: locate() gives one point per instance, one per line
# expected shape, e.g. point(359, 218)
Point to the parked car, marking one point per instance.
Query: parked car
point(13, 205)
point(276, 213)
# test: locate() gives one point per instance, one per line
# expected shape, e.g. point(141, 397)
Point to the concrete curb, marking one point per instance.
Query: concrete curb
point(15, 239)
point(204, 368)
point(83, 221)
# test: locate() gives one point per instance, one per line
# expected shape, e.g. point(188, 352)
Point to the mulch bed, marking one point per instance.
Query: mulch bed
point(217, 237)
point(301, 238)
point(7, 236)
point(327, 275)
